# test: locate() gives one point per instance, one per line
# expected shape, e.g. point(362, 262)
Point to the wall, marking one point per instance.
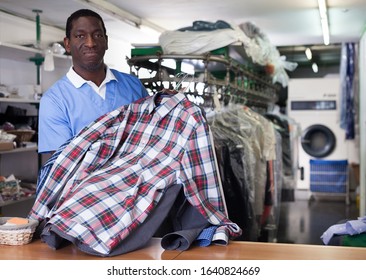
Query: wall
point(16, 69)
point(22, 31)
point(361, 125)
point(362, 67)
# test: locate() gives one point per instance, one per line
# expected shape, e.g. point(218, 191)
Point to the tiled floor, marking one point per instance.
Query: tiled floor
point(304, 221)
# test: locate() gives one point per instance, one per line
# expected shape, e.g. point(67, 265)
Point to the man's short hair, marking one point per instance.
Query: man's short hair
point(82, 13)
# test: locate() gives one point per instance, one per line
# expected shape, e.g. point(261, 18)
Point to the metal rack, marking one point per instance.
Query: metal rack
point(225, 75)
point(227, 72)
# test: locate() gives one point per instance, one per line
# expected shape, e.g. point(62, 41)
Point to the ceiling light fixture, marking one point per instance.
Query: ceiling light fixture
point(324, 20)
point(308, 53)
point(121, 14)
point(315, 68)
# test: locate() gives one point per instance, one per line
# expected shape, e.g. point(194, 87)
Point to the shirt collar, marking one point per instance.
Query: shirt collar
point(78, 81)
point(162, 109)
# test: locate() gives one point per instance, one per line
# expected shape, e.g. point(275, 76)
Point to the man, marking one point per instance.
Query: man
point(89, 90)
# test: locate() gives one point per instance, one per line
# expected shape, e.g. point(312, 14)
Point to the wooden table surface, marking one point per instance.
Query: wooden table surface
point(273, 251)
point(236, 250)
point(36, 250)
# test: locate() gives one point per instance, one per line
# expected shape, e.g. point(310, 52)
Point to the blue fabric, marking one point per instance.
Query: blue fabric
point(201, 25)
point(65, 110)
point(347, 98)
point(205, 237)
point(352, 227)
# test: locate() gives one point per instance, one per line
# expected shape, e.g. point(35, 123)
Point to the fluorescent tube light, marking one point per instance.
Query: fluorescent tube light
point(324, 20)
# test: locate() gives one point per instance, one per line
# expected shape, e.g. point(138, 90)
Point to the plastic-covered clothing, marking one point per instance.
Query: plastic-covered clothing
point(244, 142)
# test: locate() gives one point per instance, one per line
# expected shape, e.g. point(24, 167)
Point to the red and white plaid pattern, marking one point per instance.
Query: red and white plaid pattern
point(115, 171)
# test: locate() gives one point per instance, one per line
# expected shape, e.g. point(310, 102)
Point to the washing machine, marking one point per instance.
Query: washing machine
point(314, 104)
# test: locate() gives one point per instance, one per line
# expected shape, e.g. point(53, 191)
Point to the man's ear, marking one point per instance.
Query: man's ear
point(67, 45)
point(106, 38)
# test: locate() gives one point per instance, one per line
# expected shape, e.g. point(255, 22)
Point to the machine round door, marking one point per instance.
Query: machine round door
point(318, 141)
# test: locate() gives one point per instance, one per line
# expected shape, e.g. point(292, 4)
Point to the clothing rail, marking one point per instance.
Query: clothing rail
point(213, 73)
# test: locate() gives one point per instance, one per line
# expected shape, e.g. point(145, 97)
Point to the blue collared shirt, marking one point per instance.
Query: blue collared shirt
point(72, 103)
point(350, 228)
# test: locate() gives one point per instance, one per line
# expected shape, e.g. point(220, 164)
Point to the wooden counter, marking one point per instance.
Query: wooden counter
point(37, 250)
point(153, 251)
point(273, 251)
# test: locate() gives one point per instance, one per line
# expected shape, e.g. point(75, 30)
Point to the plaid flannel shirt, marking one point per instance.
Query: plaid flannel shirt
point(113, 173)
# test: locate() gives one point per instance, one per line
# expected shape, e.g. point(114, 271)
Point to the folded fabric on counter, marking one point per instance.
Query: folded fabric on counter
point(351, 228)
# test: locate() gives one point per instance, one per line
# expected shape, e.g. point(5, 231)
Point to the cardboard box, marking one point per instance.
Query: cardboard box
point(6, 146)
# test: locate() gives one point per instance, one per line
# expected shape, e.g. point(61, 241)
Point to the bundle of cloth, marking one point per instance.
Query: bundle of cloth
point(110, 188)
point(203, 37)
point(346, 233)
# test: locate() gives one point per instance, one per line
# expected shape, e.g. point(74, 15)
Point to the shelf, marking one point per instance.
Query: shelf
point(227, 71)
point(22, 199)
point(17, 52)
point(18, 100)
point(22, 53)
point(18, 63)
point(20, 150)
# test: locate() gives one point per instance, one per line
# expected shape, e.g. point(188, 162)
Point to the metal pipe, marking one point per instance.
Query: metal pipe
point(38, 27)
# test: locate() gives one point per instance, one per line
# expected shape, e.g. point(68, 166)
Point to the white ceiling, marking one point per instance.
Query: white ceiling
point(285, 22)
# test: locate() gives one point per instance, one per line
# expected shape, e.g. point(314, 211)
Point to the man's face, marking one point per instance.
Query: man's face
point(87, 44)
